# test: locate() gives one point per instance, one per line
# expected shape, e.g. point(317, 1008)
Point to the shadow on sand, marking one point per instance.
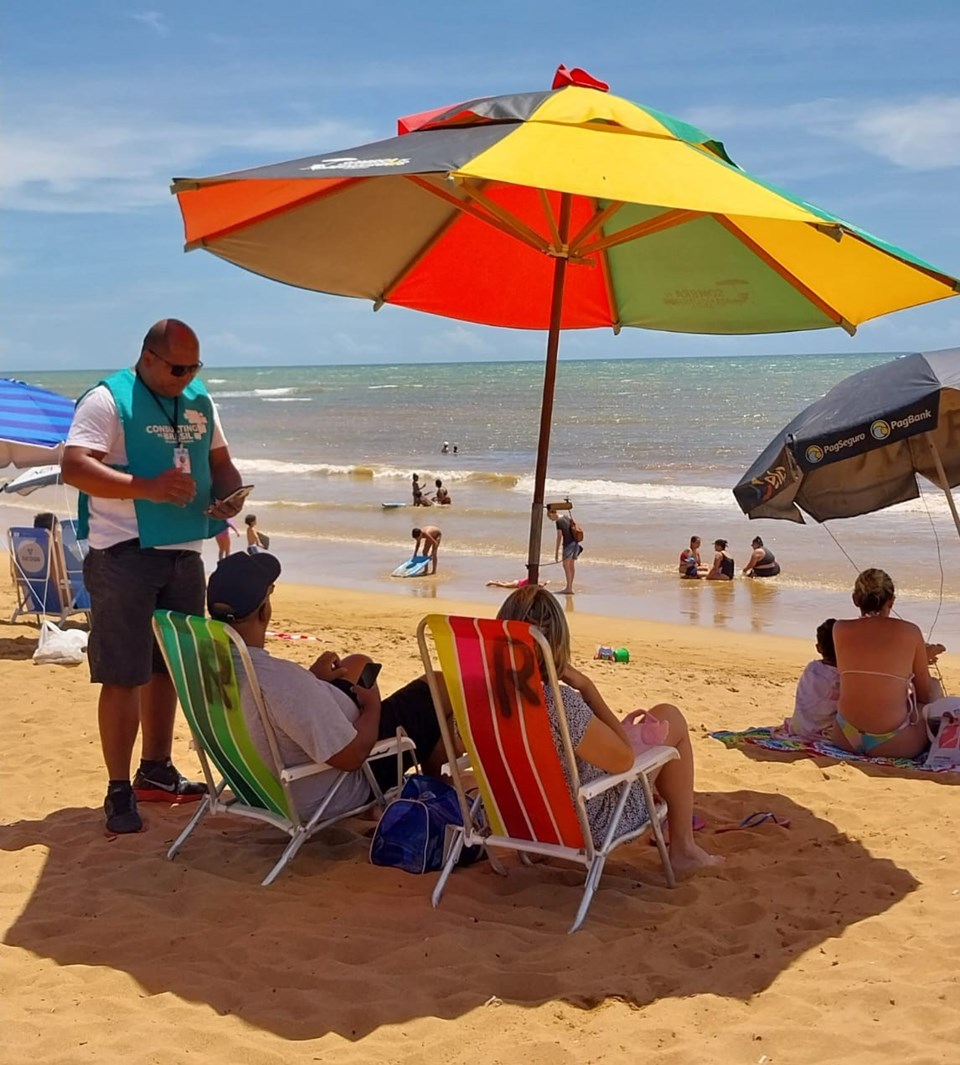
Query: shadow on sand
point(334, 934)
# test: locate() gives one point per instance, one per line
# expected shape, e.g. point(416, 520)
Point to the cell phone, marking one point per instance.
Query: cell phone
point(235, 499)
point(368, 675)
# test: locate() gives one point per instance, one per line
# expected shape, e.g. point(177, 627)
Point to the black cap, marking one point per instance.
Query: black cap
point(240, 583)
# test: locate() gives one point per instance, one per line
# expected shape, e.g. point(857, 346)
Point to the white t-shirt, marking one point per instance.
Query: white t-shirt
point(815, 705)
point(313, 720)
point(97, 425)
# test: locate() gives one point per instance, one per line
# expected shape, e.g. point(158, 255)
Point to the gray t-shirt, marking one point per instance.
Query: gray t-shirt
point(313, 720)
point(600, 811)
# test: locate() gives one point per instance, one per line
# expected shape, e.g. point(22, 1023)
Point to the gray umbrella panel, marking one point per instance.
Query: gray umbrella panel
point(860, 447)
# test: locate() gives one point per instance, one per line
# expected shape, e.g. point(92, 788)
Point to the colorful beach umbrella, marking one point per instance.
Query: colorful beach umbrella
point(861, 446)
point(33, 423)
point(566, 209)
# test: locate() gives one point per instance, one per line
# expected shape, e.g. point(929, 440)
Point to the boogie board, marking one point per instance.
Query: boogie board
point(392, 506)
point(413, 567)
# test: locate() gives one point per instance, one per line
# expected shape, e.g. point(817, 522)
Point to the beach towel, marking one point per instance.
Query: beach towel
point(773, 739)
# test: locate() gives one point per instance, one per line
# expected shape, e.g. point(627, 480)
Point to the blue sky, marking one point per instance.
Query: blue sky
point(855, 106)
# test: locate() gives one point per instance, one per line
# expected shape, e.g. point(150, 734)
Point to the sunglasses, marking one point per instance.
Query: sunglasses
point(177, 369)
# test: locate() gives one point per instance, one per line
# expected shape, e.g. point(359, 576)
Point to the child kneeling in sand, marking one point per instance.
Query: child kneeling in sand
point(602, 745)
point(818, 689)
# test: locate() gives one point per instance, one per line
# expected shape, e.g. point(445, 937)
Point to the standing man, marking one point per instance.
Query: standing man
point(429, 536)
point(147, 452)
point(568, 543)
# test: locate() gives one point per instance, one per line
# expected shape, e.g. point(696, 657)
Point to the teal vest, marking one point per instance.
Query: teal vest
point(150, 440)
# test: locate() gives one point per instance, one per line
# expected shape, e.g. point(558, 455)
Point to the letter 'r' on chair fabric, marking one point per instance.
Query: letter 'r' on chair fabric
point(501, 715)
point(198, 651)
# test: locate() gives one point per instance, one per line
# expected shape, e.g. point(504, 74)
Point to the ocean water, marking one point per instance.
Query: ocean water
point(648, 450)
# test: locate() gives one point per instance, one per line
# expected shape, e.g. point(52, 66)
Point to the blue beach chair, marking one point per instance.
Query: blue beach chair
point(39, 574)
point(74, 552)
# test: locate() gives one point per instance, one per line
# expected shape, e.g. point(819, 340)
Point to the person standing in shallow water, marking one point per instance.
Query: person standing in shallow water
point(567, 543)
point(428, 543)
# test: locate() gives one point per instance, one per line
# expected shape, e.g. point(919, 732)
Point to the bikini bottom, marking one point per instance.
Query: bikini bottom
point(865, 742)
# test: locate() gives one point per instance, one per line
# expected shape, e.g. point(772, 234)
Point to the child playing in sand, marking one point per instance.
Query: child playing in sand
point(818, 689)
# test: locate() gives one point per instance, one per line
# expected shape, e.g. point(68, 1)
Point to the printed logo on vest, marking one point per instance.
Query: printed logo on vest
point(195, 428)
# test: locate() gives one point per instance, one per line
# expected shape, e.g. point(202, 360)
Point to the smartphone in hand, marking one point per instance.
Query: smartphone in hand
point(235, 499)
point(368, 675)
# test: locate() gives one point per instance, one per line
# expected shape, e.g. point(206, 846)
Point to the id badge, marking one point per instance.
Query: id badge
point(181, 459)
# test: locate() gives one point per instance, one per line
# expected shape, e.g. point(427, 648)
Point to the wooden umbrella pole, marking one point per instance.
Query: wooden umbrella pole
point(549, 382)
point(944, 483)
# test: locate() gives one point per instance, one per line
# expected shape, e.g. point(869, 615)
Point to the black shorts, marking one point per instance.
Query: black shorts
point(410, 708)
point(127, 583)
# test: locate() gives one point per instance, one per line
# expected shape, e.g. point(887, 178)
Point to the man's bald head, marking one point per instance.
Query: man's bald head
point(169, 344)
point(170, 336)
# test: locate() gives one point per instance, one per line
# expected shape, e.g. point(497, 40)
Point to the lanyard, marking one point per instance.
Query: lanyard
point(175, 420)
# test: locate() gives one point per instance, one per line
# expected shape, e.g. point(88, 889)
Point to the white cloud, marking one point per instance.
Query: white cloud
point(918, 135)
point(61, 159)
point(226, 345)
point(152, 19)
point(347, 346)
point(457, 341)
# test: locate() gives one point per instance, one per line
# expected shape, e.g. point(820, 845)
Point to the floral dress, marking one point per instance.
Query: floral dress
point(600, 810)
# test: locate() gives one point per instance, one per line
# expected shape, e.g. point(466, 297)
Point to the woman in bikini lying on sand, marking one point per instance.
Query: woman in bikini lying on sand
point(602, 745)
point(884, 675)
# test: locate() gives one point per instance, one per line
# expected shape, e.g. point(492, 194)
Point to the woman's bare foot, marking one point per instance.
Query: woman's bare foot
point(567, 591)
point(691, 859)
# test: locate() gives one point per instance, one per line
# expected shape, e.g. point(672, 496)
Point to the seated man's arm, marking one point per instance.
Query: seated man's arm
point(367, 725)
point(313, 715)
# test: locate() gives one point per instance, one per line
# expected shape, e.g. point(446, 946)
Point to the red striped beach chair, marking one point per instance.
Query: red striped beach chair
point(494, 683)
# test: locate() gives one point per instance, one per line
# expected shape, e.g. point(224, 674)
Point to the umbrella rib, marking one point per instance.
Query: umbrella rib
point(642, 229)
point(532, 240)
point(603, 262)
point(511, 222)
point(424, 248)
point(551, 220)
point(831, 312)
point(594, 224)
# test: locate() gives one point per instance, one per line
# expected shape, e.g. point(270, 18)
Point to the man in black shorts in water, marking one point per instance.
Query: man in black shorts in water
point(316, 714)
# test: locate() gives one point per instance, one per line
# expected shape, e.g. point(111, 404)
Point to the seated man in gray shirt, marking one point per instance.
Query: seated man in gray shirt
point(320, 713)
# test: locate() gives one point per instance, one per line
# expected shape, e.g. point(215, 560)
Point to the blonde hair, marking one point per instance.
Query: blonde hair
point(872, 590)
point(538, 607)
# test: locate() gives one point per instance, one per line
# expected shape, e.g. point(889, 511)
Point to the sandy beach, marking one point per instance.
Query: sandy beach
point(831, 940)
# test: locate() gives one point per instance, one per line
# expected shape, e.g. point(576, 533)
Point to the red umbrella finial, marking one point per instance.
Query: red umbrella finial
point(577, 76)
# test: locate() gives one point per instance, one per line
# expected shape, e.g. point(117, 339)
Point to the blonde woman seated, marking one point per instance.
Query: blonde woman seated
point(884, 675)
point(601, 743)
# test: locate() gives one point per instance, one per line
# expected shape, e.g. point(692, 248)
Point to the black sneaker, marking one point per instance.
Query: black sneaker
point(120, 807)
point(162, 782)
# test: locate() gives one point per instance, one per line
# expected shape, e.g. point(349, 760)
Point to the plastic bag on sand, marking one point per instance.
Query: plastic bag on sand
point(59, 647)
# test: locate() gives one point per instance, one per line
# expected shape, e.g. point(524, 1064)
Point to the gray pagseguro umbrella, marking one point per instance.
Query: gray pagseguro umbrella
point(860, 447)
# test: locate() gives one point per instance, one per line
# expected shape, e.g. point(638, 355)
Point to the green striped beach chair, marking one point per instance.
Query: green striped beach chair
point(202, 656)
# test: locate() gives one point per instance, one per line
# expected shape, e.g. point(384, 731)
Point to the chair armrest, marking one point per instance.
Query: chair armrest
point(382, 748)
point(306, 769)
point(646, 762)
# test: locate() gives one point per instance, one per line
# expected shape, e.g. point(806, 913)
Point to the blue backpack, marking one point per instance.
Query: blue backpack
point(412, 831)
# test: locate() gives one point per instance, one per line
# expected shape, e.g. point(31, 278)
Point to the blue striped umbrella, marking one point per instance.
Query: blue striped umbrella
point(33, 423)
